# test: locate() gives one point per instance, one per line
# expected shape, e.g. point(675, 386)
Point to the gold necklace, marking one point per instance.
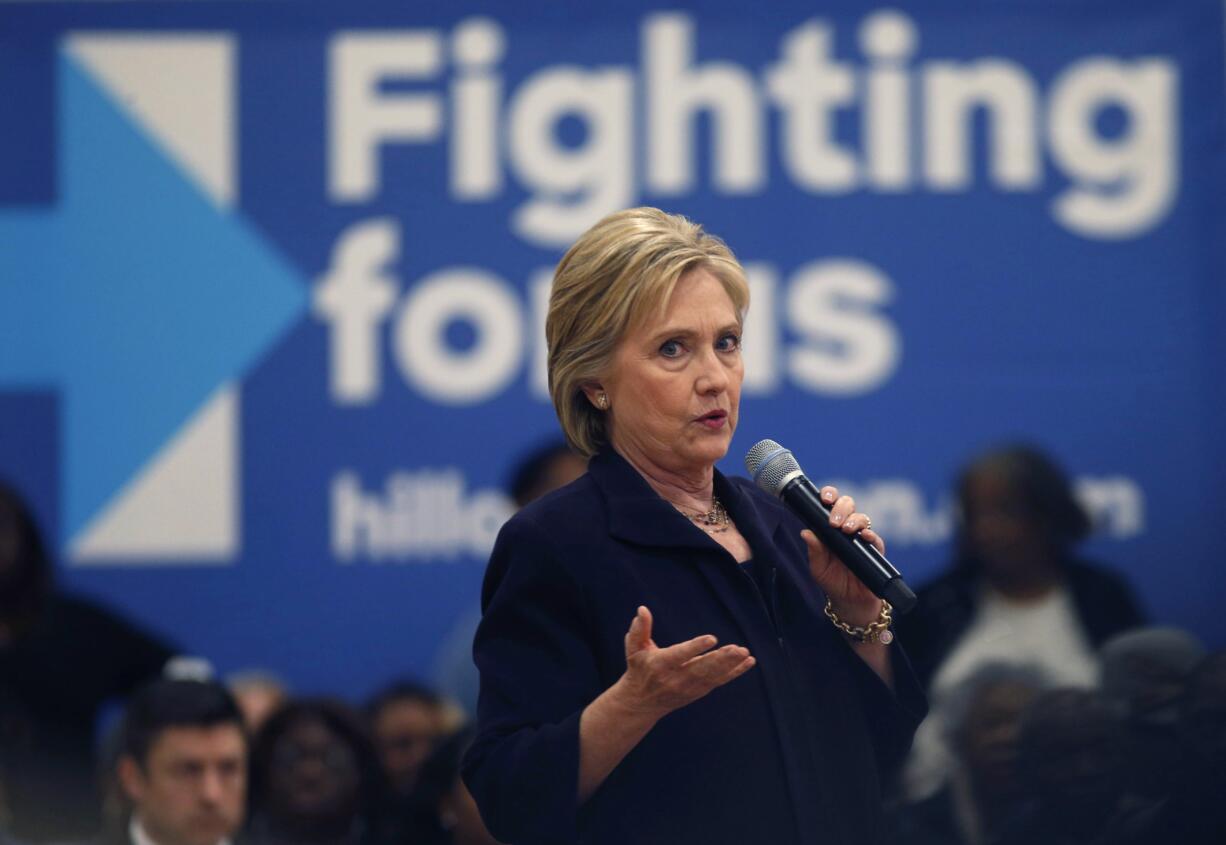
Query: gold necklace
point(714, 521)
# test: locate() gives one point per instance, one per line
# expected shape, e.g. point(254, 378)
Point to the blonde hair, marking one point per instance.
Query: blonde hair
point(618, 272)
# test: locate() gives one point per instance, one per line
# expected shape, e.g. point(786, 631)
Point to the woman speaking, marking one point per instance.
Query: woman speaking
point(665, 655)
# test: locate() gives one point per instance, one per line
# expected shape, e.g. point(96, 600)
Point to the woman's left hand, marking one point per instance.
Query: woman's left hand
point(853, 602)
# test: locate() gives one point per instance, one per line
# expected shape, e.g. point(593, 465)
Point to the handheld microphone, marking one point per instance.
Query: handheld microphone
point(775, 470)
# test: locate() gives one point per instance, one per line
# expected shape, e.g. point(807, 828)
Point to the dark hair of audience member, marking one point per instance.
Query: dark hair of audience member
point(958, 705)
point(25, 570)
point(1069, 751)
point(275, 763)
point(1039, 489)
point(1144, 671)
point(402, 690)
point(165, 704)
point(543, 470)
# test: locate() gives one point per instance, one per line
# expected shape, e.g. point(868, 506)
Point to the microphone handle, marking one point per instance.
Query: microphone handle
point(860, 556)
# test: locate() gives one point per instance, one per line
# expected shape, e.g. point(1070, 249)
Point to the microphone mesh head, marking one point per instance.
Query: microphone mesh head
point(759, 452)
point(769, 464)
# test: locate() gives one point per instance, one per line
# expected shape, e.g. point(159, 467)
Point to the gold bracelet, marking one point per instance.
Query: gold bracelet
point(877, 631)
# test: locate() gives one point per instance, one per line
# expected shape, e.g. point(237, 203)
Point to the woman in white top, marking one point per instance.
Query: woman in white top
point(1014, 594)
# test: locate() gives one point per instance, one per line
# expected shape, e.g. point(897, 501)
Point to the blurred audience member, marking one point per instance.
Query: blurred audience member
point(1144, 673)
point(983, 794)
point(544, 470)
point(449, 814)
point(1195, 811)
point(541, 471)
point(259, 694)
point(405, 720)
point(116, 807)
point(314, 778)
point(1014, 594)
point(1070, 760)
point(61, 659)
point(182, 765)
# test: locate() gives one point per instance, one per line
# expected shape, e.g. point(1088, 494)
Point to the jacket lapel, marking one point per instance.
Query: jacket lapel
point(637, 514)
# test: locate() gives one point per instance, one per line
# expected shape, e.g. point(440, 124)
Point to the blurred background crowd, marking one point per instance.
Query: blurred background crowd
point(1057, 714)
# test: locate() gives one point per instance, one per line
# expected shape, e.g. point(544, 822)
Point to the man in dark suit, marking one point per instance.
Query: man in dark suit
point(183, 764)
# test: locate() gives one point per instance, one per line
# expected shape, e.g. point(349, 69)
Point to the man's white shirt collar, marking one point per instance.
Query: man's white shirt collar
point(139, 836)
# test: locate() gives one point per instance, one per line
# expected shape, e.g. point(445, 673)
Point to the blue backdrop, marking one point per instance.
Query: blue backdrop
point(272, 280)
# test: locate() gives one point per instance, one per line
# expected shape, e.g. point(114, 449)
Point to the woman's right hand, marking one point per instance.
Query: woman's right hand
point(660, 680)
point(656, 682)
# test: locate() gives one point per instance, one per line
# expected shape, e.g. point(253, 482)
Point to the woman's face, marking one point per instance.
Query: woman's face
point(675, 384)
point(314, 774)
point(1002, 533)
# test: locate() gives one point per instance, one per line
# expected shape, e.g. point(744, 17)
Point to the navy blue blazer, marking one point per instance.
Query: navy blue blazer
point(793, 751)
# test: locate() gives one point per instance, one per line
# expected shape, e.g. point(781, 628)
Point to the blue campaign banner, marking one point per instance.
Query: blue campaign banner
point(273, 280)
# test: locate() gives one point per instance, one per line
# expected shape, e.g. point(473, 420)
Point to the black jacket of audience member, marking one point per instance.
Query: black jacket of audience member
point(1104, 602)
point(61, 660)
point(54, 679)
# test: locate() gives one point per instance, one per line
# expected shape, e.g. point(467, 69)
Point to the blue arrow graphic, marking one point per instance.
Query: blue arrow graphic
point(135, 296)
